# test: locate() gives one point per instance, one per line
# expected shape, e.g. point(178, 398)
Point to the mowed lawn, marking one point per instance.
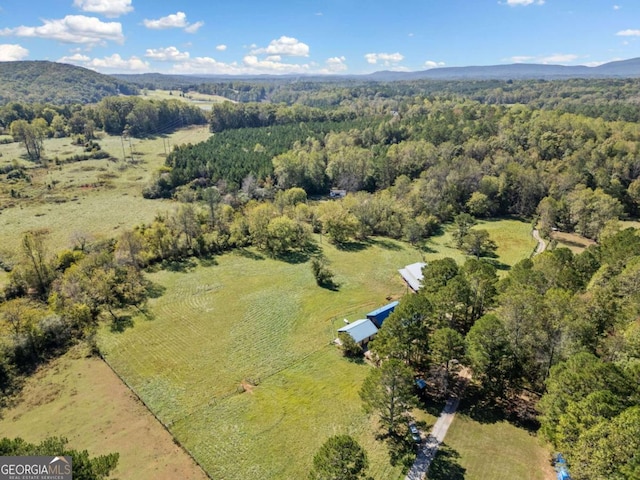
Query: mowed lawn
point(236, 359)
point(265, 322)
point(512, 236)
point(496, 451)
point(82, 399)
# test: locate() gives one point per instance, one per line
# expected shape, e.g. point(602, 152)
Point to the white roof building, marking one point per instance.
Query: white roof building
point(412, 274)
point(361, 330)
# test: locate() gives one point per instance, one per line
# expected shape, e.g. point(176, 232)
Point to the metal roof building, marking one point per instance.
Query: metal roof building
point(378, 316)
point(361, 330)
point(412, 274)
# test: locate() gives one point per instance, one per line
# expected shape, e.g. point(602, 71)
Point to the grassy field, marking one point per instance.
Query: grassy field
point(260, 321)
point(513, 238)
point(237, 363)
point(496, 451)
point(82, 399)
point(95, 197)
point(202, 100)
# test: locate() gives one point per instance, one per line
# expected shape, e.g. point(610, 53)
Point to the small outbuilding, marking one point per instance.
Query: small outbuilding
point(362, 331)
point(378, 316)
point(412, 275)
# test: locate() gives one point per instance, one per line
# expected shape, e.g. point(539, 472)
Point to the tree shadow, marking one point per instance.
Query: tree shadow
point(243, 252)
point(402, 450)
point(496, 263)
point(208, 261)
point(294, 257)
point(445, 465)
point(385, 244)
point(352, 246)
point(155, 290)
point(426, 248)
point(120, 323)
point(331, 285)
point(180, 265)
point(484, 406)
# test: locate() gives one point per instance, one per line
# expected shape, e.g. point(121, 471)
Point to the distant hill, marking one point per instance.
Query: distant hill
point(41, 81)
point(517, 71)
point(57, 83)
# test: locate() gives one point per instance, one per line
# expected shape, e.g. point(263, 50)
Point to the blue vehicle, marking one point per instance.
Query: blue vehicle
point(560, 464)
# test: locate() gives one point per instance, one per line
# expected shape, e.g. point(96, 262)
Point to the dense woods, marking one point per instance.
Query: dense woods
point(56, 83)
point(559, 331)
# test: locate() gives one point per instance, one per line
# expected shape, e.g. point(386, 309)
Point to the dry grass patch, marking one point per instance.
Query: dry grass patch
point(82, 399)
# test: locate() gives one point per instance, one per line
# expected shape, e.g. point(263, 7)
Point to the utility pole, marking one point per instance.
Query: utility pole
point(124, 155)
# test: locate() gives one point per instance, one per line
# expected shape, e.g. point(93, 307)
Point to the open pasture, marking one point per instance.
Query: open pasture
point(261, 326)
point(499, 451)
point(80, 398)
point(202, 100)
point(512, 236)
point(94, 197)
point(236, 358)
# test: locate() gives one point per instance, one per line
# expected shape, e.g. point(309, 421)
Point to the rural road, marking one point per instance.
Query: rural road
point(433, 441)
point(542, 245)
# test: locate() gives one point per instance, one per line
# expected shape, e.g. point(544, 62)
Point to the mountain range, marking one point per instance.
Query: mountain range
point(42, 81)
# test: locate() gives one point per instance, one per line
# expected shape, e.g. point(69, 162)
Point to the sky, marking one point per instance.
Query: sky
point(245, 37)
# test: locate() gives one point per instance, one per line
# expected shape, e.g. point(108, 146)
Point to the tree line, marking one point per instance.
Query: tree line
point(444, 157)
point(560, 326)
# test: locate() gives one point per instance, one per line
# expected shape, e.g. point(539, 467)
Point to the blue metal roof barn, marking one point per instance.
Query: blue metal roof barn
point(361, 330)
point(378, 316)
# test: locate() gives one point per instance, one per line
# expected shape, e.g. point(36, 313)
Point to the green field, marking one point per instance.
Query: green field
point(81, 399)
point(249, 320)
point(94, 197)
point(496, 451)
point(258, 321)
point(202, 100)
point(513, 238)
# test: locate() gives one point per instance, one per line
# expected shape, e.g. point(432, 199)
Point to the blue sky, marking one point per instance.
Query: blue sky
point(316, 36)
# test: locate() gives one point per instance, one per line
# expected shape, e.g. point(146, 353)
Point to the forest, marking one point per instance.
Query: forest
point(560, 329)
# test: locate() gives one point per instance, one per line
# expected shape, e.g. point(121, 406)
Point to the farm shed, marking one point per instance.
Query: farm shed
point(362, 331)
point(412, 275)
point(378, 316)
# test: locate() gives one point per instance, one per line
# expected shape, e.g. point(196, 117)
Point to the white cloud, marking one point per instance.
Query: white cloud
point(336, 64)
point(206, 65)
point(194, 27)
point(629, 33)
point(386, 59)
point(556, 58)
point(112, 63)
point(175, 20)
point(431, 64)
point(272, 66)
point(72, 29)
point(521, 59)
point(250, 65)
point(617, 7)
point(221, 47)
point(559, 58)
point(287, 46)
point(108, 8)
point(12, 52)
point(524, 3)
point(169, 54)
